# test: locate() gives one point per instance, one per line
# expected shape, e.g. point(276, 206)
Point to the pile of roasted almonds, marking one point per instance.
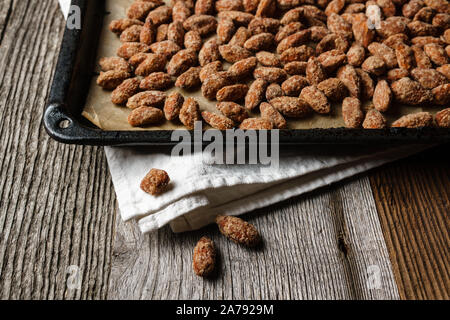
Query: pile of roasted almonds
point(302, 54)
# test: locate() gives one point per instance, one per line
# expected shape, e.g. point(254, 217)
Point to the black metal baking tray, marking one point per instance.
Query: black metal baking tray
point(64, 122)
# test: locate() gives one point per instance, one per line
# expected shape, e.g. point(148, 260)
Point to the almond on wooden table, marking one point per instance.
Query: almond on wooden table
point(155, 182)
point(238, 230)
point(204, 258)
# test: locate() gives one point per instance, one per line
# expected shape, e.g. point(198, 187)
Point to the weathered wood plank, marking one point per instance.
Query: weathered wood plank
point(413, 201)
point(57, 202)
point(320, 246)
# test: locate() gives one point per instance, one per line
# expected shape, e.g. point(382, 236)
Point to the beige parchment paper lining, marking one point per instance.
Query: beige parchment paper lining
point(104, 114)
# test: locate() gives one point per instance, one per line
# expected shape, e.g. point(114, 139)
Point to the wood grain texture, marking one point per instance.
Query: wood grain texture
point(321, 246)
point(57, 202)
point(413, 201)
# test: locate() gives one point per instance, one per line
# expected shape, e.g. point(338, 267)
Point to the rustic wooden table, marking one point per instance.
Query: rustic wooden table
point(381, 235)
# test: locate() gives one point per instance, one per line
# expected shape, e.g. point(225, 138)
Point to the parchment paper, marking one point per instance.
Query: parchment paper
point(103, 113)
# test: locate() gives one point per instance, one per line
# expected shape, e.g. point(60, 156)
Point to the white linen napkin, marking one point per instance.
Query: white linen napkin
point(198, 192)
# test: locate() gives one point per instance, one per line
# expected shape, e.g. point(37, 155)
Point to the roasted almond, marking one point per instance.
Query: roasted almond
point(238, 230)
point(143, 116)
point(204, 258)
point(217, 121)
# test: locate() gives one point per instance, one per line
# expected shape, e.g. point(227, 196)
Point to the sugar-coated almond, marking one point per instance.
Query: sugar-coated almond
point(374, 120)
point(256, 124)
point(204, 7)
point(291, 107)
point(422, 60)
point(152, 98)
point(266, 8)
point(118, 26)
point(125, 90)
point(397, 74)
point(180, 11)
point(443, 118)
point(193, 40)
point(129, 49)
point(436, 53)
point(428, 78)
point(273, 91)
point(339, 26)
point(384, 52)
point(144, 116)
point(263, 25)
point(348, 75)
point(235, 92)
point(203, 24)
point(294, 40)
point(114, 63)
point(287, 30)
point(294, 85)
point(382, 96)
point(238, 230)
point(367, 85)
point(155, 182)
point(210, 68)
point(356, 55)
point(296, 67)
point(152, 63)
point(131, 34)
point(229, 5)
point(410, 92)
point(204, 258)
point(301, 53)
point(156, 81)
point(175, 33)
point(232, 53)
point(405, 56)
point(140, 9)
point(166, 48)
point(261, 41)
point(270, 113)
point(181, 61)
point(315, 73)
point(214, 82)
point(209, 52)
point(225, 30)
point(238, 17)
point(173, 105)
point(161, 32)
point(331, 60)
point(334, 89)
point(441, 94)
point(232, 110)
point(374, 65)
point(414, 120)
point(445, 70)
point(255, 94)
point(190, 113)
point(268, 59)
point(190, 79)
point(352, 113)
point(239, 38)
point(109, 80)
point(316, 99)
point(270, 74)
point(217, 121)
point(160, 15)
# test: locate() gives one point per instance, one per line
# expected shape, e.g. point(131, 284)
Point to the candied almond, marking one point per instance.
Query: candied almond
point(109, 80)
point(210, 68)
point(225, 30)
point(295, 67)
point(114, 63)
point(256, 124)
point(441, 94)
point(414, 120)
point(181, 61)
point(255, 94)
point(291, 107)
point(125, 90)
point(273, 91)
point(294, 85)
point(193, 40)
point(143, 116)
point(333, 88)
point(270, 113)
point(443, 118)
point(234, 92)
point(268, 59)
point(152, 98)
point(316, 99)
point(209, 52)
point(190, 113)
point(410, 92)
point(204, 258)
point(129, 49)
point(166, 48)
point(156, 81)
point(202, 23)
point(232, 53)
point(348, 75)
point(214, 82)
point(217, 121)
point(270, 74)
point(173, 105)
point(382, 96)
point(352, 113)
point(232, 110)
point(155, 182)
point(189, 79)
point(374, 120)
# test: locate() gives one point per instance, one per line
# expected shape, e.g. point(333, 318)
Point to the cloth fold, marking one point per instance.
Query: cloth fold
point(199, 191)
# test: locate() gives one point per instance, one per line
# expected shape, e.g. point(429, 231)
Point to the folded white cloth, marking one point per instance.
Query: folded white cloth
point(198, 192)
